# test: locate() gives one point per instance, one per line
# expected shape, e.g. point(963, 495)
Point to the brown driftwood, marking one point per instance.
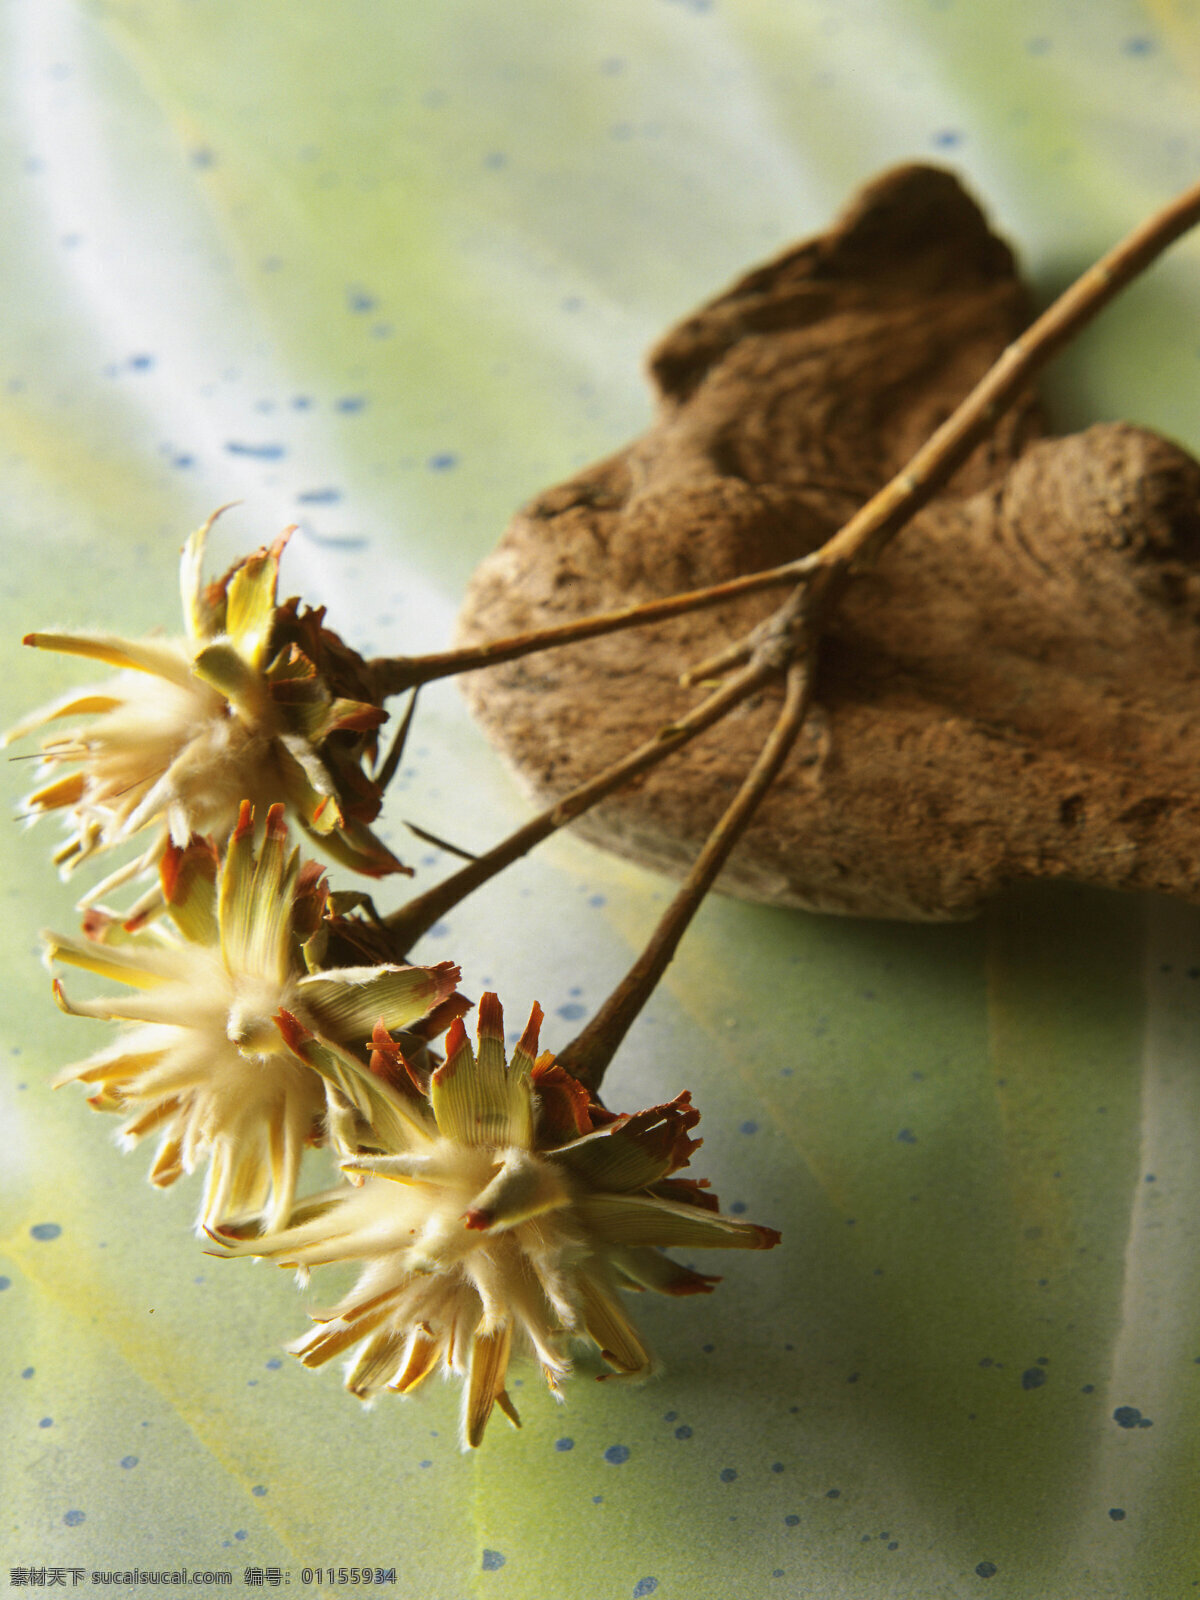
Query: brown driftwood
point(1009, 694)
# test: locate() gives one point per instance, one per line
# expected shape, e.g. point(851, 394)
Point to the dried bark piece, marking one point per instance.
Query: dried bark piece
point(1009, 694)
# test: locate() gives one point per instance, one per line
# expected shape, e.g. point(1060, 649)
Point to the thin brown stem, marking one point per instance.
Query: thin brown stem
point(871, 529)
point(588, 1055)
point(394, 674)
point(396, 754)
point(416, 917)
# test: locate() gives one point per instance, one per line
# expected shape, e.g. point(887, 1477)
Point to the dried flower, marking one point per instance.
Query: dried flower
point(510, 1214)
point(259, 701)
point(221, 993)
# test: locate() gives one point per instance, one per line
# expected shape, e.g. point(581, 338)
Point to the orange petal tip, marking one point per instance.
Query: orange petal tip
point(292, 1029)
point(528, 1041)
point(456, 1040)
point(491, 1016)
point(245, 821)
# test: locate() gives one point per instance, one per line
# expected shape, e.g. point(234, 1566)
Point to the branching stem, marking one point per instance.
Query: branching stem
point(394, 674)
point(588, 1055)
point(783, 646)
point(412, 920)
point(873, 527)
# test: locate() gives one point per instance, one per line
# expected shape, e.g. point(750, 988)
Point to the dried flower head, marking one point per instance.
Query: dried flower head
point(510, 1216)
point(259, 701)
point(220, 1001)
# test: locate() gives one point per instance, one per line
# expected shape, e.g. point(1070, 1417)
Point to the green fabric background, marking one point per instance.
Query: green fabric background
point(386, 269)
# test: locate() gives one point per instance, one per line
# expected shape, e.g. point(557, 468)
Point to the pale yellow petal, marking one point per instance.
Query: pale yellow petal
point(485, 1380)
point(162, 657)
point(605, 1320)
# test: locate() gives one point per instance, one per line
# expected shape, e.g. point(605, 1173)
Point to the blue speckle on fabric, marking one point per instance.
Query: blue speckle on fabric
point(6, 1283)
point(728, 1474)
point(74, 1518)
point(571, 1012)
point(683, 1431)
point(45, 1230)
point(986, 1569)
point(564, 1444)
point(129, 1461)
point(443, 462)
point(643, 1587)
point(259, 1490)
point(1116, 1514)
point(493, 1560)
point(1129, 1417)
point(259, 452)
point(617, 1454)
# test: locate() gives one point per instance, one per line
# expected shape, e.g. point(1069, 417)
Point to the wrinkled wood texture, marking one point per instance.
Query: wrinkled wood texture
point(1008, 695)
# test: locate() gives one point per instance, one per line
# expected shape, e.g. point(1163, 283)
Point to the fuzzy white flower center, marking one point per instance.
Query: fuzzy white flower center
point(250, 1020)
point(182, 752)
